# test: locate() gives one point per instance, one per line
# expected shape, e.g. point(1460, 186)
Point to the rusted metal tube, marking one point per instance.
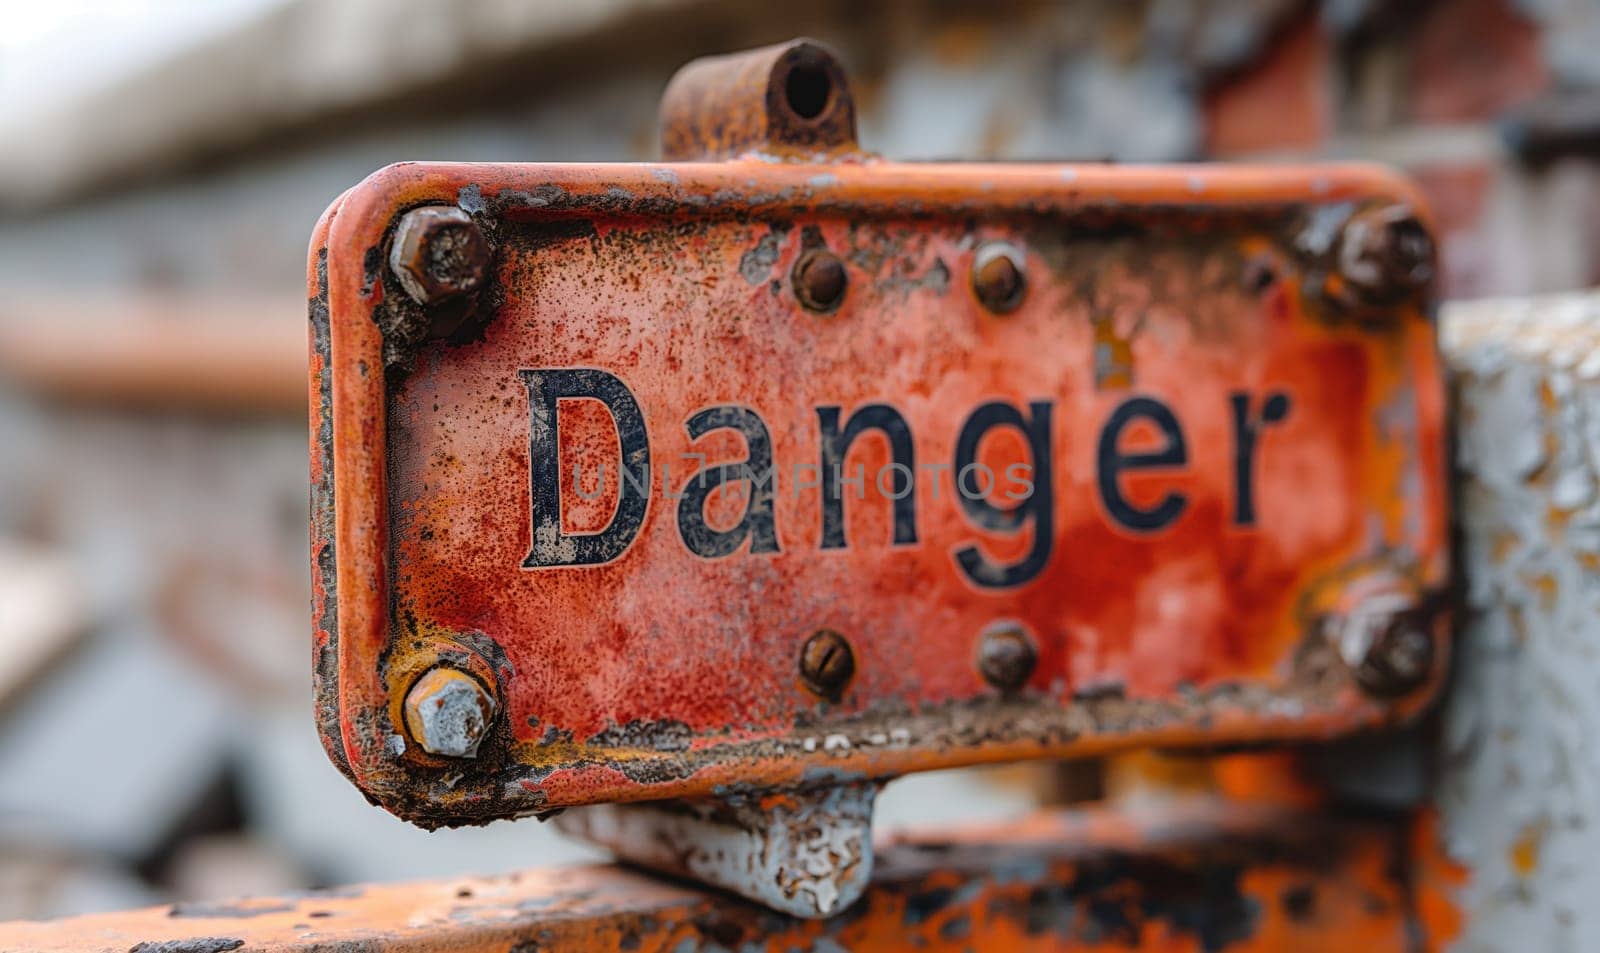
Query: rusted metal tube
point(790, 100)
point(173, 352)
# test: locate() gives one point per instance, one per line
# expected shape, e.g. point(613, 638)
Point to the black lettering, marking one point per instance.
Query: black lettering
point(836, 444)
point(549, 545)
point(1112, 463)
point(757, 523)
point(1038, 507)
point(1245, 434)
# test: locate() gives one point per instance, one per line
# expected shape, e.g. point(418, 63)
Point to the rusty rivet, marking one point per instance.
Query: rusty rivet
point(827, 663)
point(1260, 273)
point(819, 280)
point(447, 712)
point(1006, 657)
point(1385, 254)
point(998, 278)
point(1399, 657)
point(439, 253)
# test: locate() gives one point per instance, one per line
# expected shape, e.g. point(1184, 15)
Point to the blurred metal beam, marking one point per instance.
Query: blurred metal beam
point(171, 352)
point(1201, 876)
point(297, 63)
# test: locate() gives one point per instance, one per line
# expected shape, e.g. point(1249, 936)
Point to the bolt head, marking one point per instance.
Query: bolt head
point(1006, 657)
point(827, 664)
point(998, 277)
point(1384, 632)
point(447, 713)
point(820, 280)
point(1386, 254)
point(1399, 658)
point(439, 254)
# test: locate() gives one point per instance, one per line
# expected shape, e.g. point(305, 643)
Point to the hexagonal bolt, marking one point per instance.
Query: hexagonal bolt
point(447, 712)
point(819, 279)
point(1385, 639)
point(1006, 657)
point(1386, 254)
point(999, 278)
point(827, 663)
point(439, 254)
point(1399, 658)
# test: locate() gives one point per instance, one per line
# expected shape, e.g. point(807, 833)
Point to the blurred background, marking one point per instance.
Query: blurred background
point(163, 162)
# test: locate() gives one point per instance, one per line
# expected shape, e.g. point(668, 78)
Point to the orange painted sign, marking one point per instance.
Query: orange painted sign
point(724, 476)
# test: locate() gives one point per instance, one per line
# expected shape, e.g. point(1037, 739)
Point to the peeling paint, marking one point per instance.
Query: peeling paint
point(1520, 780)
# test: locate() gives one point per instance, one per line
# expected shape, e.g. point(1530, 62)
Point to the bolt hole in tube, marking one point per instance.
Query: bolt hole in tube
point(808, 91)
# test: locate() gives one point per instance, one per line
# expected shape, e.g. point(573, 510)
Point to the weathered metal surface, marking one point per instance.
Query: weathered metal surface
point(804, 853)
point(1190, 604)
point(1520, 764)
point(1201, 878)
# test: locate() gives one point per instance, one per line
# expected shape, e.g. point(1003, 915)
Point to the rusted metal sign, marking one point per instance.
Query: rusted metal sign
point(719, 477)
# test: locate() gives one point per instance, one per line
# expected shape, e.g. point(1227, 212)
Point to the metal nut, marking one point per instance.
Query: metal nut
point(1006, 657)
point(819, 280)
point(1383, 630)
point(447, 712)
point(998, 277)
point(439, 253)
point(1399, 657)
point(1385, 254)
point(827, 663)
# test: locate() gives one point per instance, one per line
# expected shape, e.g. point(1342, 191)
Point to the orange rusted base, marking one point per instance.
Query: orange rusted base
point(1202, 876)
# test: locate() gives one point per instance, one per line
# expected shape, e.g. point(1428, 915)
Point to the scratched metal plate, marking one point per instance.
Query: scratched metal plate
point(1227, 462)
